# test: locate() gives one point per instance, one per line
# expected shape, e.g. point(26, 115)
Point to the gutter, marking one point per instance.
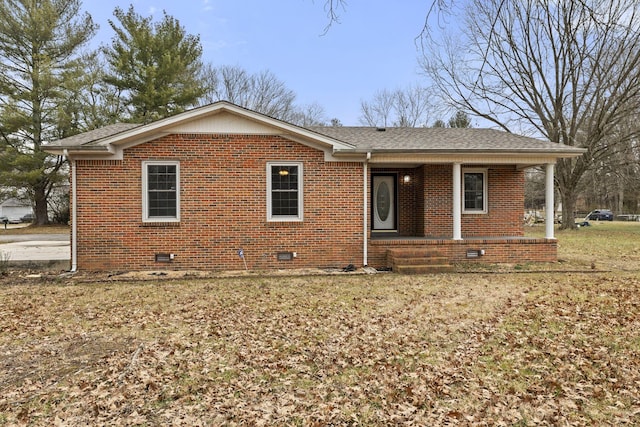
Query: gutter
point(65, 150)
point(74, 214)
point(498, 152)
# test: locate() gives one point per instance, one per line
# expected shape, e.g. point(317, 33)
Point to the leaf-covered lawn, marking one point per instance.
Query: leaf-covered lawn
point(471, 349)
point(605, 244)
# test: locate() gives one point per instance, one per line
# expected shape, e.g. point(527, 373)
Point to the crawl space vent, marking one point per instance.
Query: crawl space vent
point(163, 257)
point(474, 253)
point(285, 256)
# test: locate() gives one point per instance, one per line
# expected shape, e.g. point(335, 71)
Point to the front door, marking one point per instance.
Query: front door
point(384, 202)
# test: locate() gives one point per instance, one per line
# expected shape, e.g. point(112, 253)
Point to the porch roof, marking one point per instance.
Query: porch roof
point(443, 141)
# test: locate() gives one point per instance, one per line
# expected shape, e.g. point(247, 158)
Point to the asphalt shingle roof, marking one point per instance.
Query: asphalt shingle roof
point(94, 135)
point(393, 139)
point(436, 139)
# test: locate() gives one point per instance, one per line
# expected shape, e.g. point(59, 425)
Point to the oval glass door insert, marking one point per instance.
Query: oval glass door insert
point(383, 201)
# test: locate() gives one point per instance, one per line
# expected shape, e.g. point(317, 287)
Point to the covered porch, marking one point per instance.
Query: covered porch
point(461, 212)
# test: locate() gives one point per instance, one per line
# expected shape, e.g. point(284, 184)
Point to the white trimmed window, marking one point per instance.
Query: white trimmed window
point(474, 191)
point(284, 191)
point(161, 191)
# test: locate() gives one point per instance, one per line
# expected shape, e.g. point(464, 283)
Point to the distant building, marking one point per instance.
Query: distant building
point(14, 208)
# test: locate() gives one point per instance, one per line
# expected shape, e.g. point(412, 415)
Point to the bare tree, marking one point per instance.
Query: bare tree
point(614, 180)
point(334, 8)
point(413, 107)
point(378, 111)
point(309, 115)
point(402, 108)
point(261, 92)
point(564, 70)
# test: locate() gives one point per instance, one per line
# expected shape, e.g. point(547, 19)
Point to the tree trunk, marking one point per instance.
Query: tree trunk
point(568, 199)
point(620, 204)
point(41, 207)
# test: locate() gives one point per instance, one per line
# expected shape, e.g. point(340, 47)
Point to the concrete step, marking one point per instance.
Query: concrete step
point(417, 261)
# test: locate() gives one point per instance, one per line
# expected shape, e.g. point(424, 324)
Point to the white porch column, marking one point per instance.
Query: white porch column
point(549, 207)
point(457, 201)
point(365, 200)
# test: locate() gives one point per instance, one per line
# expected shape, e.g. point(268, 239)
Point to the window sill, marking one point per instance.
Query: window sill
point(288, 223)
point(161, 223)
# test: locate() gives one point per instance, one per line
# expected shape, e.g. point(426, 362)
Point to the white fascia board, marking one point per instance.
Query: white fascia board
point(74, 151)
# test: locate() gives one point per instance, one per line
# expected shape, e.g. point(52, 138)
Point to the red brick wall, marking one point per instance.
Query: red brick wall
point(438, 201)
point(409, 202)
point(505, 216)
point(505, 196)
point(222, 207)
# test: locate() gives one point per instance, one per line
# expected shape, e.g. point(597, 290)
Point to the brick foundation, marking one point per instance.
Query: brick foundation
point(506, 250)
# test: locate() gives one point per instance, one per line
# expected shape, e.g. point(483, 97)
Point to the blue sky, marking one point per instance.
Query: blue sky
point(373, 47)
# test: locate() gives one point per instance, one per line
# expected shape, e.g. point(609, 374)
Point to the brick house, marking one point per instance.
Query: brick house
point(190, 191)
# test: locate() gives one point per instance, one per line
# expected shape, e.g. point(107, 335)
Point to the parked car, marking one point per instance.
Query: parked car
point(14, 220)
point(600, 215)
point(4, 219)
point(27, 218)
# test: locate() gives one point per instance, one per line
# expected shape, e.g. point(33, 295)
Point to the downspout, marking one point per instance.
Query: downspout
point(74, 204)
point(365, 251)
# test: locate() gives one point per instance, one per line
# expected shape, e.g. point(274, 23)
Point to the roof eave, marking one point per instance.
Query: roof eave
point(574, 152)
point(70, 150)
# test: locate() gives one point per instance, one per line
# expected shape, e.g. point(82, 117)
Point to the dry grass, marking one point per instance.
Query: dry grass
point(36, 229)
point(530, 348)
point(607, 245)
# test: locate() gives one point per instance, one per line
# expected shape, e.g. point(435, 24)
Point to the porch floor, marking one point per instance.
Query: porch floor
point(414, 239)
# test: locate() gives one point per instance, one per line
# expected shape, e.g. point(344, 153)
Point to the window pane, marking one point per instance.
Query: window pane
point(162, 177)
point(162, 195)
point(284, 190)
point(474, 191)
point(284, 203)
point(162, 204)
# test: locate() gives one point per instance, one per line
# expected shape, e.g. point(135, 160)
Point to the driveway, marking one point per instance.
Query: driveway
point(34, 247)
point(8, 238)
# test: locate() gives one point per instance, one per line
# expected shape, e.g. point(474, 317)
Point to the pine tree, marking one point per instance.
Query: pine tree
point(155, 65)
point(460, 120)
point(39, 44)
